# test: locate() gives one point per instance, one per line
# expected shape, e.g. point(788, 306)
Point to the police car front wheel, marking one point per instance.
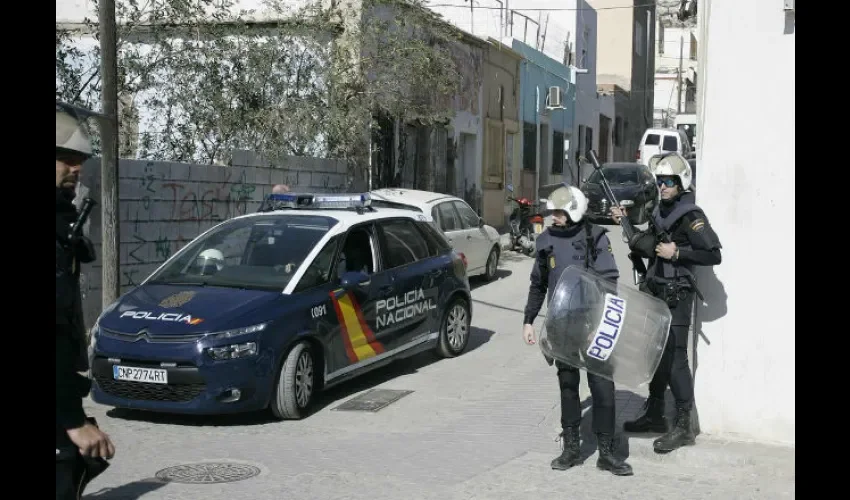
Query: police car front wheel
point(295, 385)
point(454, 329)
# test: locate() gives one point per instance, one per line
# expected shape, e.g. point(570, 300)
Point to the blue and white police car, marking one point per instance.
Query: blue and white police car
point(266, 309)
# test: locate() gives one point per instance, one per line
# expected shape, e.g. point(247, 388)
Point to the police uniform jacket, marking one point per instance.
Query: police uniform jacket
point(688, 227)
point(584, 245)
point(71, 386)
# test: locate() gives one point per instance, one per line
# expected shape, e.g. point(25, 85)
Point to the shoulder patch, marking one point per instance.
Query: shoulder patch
point(609, 248)
point(698, 225)
point(552, 262)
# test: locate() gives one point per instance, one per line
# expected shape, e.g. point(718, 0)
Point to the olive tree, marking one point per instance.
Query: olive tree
point(203, 78)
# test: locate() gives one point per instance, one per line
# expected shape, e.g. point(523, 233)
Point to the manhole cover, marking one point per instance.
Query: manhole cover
point(373, 400)
point(207, 473)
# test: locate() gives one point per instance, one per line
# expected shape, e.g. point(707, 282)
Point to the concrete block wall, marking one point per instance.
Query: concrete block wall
point(164, 205)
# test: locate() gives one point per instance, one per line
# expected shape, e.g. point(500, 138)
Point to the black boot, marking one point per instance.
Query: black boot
point(681, 435)
point(607, 460)
point(651, 421)
point(571, 445)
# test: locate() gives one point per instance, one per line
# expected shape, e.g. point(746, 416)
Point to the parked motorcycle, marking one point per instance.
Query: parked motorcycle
point(525, 224)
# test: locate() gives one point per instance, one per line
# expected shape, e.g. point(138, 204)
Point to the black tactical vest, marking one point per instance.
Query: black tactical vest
point(573, 246)
point(668, 269)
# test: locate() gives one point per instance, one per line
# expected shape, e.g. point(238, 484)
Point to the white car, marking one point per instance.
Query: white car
point(465, 230)
point(662, 140)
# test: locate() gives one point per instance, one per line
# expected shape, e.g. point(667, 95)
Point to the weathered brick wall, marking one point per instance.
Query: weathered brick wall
point(165, 205)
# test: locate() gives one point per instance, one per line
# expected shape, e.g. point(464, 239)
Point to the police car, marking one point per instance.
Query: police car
point(266, 309)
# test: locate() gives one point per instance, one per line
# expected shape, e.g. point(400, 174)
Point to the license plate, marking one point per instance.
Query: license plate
point(538, 228)
point(134, 374)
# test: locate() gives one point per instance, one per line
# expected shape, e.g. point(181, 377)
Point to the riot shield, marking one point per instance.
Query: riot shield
point(609, 330)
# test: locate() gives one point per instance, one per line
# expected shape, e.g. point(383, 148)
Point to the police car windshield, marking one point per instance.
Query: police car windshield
point(617, 175)
point(260, 252)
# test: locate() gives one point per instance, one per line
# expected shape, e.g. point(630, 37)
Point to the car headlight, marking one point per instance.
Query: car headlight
point(237, 332)
point(233, 351)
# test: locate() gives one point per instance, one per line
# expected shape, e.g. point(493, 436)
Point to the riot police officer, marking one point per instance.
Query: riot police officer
point(80, 445)
point(572, 240)
point(679, 238)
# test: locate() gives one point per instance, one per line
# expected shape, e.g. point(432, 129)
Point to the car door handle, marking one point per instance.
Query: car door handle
point(386, 289)
point(435, 273)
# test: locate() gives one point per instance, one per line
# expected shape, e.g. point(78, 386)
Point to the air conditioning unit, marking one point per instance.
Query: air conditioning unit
point(554, 98)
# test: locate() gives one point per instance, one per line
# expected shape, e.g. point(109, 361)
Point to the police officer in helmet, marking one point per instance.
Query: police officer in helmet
point(678, 239)
point(80, 445)
point(572, 240)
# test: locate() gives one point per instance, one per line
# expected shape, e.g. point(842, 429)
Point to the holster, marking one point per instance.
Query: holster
point(669, 290)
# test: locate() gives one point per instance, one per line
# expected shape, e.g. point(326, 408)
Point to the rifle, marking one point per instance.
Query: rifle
point(77, 227)
point(629, 231)
point(664, 237)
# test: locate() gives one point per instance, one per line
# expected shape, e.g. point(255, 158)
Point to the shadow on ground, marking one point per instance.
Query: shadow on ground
point(477, 338)
point(512, 256)
point(129, 491)
point(669, 411)
point(479, 281)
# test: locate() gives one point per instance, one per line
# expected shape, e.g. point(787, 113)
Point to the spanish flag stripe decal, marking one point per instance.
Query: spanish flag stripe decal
point(370, 336)
point(360, 342)
point(345, 337)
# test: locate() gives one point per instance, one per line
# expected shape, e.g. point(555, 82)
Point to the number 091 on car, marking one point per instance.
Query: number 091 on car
point(134, 374)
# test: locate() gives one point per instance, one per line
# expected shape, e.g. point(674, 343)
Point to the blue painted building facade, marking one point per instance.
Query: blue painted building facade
point(546, 136)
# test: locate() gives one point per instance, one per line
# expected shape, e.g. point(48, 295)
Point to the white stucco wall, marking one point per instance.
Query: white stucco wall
point(560, 27)
point(665, 93)
point(745, 379)
point(486, 19)
point(667, 65)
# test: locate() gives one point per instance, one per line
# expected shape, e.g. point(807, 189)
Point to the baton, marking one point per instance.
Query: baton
point(638, 267)
point(625, 223)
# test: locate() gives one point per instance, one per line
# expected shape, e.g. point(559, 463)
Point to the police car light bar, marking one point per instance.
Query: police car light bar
point(317, 201)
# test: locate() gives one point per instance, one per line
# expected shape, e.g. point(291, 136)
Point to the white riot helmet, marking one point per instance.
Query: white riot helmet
point(569, 199)
point(72, 135)
point(210, 261)
point(672, 164)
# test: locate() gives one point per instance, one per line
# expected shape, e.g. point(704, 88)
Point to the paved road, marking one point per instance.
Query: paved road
point(480, 426)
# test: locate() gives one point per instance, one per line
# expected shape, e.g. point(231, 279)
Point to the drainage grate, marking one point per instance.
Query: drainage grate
point(373, 400)
point(207, 473)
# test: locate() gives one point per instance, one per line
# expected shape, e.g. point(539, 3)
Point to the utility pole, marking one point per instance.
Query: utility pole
point(110, 228)
point(679, 94)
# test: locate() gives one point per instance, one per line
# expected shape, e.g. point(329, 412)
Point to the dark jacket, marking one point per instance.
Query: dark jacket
point(688, 227)
point(558, 248)
point(71, 386)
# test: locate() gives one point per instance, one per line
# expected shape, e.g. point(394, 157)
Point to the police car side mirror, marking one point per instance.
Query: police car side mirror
point(481, 222)
point(354, 279)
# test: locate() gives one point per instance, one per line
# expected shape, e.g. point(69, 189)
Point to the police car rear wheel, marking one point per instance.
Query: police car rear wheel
point(294, 391)
point(454, 331)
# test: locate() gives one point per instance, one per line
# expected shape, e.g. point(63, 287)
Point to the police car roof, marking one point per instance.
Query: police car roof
point(410, 196)
point(346, 216)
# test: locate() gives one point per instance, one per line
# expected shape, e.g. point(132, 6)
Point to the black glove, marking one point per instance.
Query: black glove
point(84, 250)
